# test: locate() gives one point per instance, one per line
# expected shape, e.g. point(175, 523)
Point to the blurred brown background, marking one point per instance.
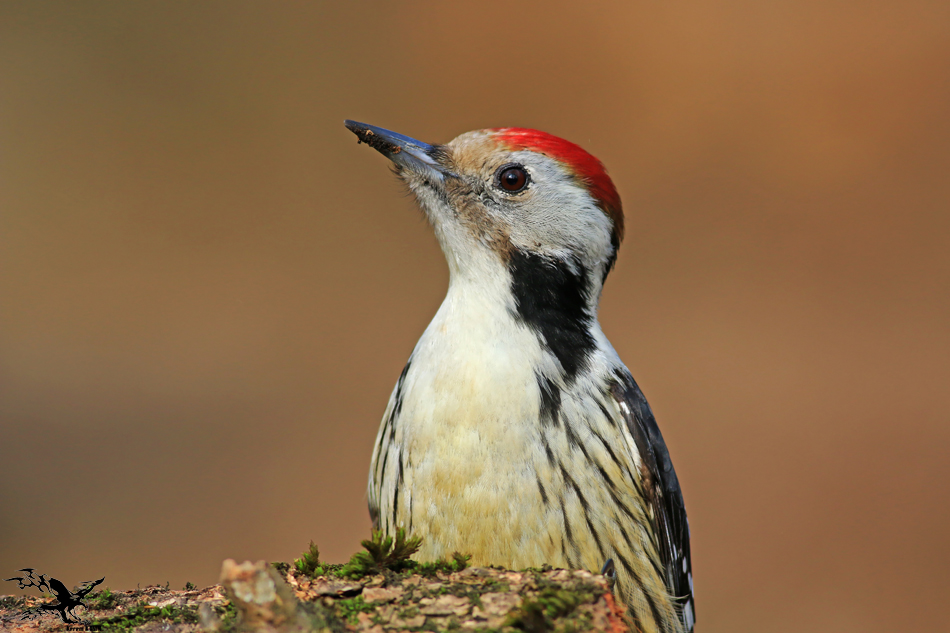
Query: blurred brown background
point(207, 289)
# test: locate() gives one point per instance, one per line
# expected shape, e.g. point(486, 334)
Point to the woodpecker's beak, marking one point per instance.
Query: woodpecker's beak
point(405, 152)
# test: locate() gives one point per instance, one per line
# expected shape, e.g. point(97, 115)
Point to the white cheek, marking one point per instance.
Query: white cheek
point(560, 216)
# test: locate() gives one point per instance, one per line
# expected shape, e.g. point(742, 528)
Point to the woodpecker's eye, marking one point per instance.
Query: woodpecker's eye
point(512, 178)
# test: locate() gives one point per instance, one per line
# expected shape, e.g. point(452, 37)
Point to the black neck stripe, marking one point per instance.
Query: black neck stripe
point(552, 297)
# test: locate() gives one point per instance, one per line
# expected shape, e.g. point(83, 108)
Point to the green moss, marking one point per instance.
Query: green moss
point(382, 553)
point(309, 562)
point(538, 615)
point(190, 586)
point(101, 600)
point(430, 625)
point(457, 563)
point(229, 617)
point(321, 618)
point(490, 585)
point(349, 608)
point(143, 613)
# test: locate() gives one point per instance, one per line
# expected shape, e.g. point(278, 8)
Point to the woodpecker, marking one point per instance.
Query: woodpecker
point(514, 432)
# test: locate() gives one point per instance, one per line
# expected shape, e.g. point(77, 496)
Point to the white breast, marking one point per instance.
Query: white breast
point(465, 439)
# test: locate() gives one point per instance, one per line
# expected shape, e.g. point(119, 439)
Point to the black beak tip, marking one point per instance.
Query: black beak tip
point(354, 126)
point(360, 129)
point(371, 135)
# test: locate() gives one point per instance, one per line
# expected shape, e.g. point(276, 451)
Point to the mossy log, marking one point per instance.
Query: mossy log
point(279, 598)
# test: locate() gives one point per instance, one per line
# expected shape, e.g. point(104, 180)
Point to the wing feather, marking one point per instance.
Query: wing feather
point(663, 492)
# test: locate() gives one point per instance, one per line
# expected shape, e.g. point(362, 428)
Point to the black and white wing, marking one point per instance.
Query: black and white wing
point(663, 493)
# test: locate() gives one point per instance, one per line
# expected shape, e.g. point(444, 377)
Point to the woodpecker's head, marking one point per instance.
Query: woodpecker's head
point(506, 192)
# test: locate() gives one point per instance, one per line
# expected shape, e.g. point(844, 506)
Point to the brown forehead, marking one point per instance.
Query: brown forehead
point(477, 151)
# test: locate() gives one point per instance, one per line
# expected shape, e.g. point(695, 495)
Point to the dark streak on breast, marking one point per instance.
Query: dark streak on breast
point(544, 495)
point(550, 401)
point(547, 449)
point(390, 426)
point(398, 487)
